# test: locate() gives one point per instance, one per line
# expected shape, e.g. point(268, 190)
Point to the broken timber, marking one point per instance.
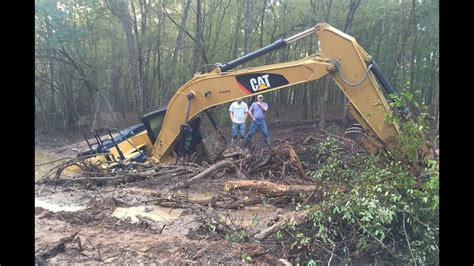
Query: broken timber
point(269, 188)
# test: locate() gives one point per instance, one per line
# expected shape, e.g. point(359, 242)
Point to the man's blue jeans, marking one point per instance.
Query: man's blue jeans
point(238, 130)
point(258, 124)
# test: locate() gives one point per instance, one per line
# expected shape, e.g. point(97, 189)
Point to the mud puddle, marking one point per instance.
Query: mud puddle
point(57, 207)
point(155, 213)
point(61, 199)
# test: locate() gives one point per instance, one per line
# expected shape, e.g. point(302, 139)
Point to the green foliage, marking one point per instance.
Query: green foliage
point(379, 205)
point(237, 236)
point(246, 257)
point(412, 139)
point(328, 151)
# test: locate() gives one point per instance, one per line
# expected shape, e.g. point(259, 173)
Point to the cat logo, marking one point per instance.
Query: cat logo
point(252, 83)
point(260, 83)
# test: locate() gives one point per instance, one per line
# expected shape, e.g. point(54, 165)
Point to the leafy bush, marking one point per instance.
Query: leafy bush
point(246, 258)
point(237, 236)
point(384, 207)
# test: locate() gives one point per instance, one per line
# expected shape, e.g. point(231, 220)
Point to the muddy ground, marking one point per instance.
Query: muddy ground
point(126, 223)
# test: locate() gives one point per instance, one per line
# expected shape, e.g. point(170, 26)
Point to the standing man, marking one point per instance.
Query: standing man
point(257, 113)
point(238, 115)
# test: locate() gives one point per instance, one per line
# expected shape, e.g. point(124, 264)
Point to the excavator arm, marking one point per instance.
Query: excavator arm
point(340, 56)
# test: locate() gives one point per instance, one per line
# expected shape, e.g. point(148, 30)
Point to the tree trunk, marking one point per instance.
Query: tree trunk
point(414, 48)
point(142, 66)
point(126, 20)
point(323, 102)
point(219, 27)
point(350, 15)
point(382, 34)
point(43, 123)
point(248, 29)
point(347, 29)
point(284, 51)
point(146, 83)
point(307, 86)
point(179, 43)
point(261, 24)
point(323, 99)
point(161, 74)
point(68, 99)
point(236, 34)
point(198, 51)
point(50, 54)
point(400, 58)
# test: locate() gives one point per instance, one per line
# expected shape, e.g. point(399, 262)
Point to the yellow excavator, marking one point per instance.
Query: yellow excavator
point(167, 134)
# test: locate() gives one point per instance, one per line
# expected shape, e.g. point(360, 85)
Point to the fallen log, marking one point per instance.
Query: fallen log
point(268, 188)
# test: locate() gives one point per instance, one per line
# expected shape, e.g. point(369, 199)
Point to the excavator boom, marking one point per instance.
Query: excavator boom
point(340, 56)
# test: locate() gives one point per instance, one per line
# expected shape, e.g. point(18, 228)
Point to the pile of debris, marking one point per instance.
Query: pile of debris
point(237, 179)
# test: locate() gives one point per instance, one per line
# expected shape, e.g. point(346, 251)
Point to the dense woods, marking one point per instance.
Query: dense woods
point(97, 58)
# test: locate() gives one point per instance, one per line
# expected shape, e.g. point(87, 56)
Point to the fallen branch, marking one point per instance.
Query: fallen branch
point(269, 231)
point(298, 217)
point(408, 240)
point(235, 152)
point(269, 188)
point(262, 164)
point(56, 249)
point(209, 171)
point(60, 159)
point(101, 181)
point(294, 157)
point(339, 137)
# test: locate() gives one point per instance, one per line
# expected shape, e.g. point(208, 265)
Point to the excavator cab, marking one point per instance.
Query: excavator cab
point(153, 122)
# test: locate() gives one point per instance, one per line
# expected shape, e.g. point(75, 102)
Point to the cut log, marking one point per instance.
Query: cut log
point(269, 188)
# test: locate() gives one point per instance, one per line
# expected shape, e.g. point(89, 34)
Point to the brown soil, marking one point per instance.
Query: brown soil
point(181, 236)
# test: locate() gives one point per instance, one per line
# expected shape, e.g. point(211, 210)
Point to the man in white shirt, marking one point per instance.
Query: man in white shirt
point(238, 115)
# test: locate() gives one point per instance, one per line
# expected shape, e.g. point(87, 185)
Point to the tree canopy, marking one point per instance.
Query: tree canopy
point(132, 55)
